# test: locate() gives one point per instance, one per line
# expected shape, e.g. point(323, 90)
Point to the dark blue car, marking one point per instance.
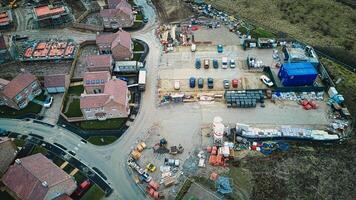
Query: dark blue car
point(192, 82)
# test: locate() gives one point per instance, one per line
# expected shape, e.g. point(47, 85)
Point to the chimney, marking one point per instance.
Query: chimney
point(44, 184)
point(18, 161)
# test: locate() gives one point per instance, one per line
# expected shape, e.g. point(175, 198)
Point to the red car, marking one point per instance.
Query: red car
point(83, 187)
point(234, 83)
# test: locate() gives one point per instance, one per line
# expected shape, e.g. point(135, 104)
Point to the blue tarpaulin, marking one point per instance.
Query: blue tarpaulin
point(223, 185)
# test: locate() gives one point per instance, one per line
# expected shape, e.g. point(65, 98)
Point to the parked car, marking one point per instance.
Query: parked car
point(226, 84)
point(210, 83)
point(232, 63)
point(206, 63)
point(220, 48)
point(193, 48)
point(215, 63)
point(145, 19)
point(224, 62)
point(266, 80)
point(200, 83)
point(197, 63)
point(48, 102)
point(234, 83)
point(176, 85)
point(192, 82)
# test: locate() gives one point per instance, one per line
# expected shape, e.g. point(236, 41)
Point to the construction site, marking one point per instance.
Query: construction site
point(35, 50)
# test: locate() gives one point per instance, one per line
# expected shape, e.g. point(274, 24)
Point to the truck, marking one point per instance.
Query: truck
point(142, 79)
point(224, 62)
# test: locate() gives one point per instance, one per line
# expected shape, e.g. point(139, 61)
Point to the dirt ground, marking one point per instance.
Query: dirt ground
point(172, 11)
point(305, 172)
point(38, 68)
point(93, 19)
point(80, 66)
point(77, 7)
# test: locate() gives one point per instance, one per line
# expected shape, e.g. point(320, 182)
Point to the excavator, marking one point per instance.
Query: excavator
point(12, 4)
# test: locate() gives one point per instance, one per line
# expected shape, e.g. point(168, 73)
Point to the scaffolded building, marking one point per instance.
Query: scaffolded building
point(51, 15)
point(5, 19)
point(35, 50)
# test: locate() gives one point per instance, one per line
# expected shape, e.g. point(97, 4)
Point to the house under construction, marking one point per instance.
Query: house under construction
point(47, 50)
point(51, 15)
point(5, 19)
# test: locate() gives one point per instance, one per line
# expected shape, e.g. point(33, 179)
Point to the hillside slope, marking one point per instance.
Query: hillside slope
point(326, 24)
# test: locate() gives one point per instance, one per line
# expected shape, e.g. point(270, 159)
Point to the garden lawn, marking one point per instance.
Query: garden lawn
point(109, 124)
point(96, 140)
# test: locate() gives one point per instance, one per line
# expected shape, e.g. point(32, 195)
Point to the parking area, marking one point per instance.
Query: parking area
point(182, 65)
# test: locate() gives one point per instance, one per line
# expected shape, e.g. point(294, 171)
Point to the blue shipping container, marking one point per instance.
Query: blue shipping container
point(297, 74)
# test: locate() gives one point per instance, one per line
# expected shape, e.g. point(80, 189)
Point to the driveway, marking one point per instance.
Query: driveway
point(51, 114)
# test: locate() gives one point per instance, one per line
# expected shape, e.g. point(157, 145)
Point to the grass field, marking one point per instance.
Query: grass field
point(108, 124)
point(101, 140)
point(94, 193)
point(74, 109)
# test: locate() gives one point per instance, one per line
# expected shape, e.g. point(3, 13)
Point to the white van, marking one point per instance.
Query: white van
point(193, 48)
point(224, 62)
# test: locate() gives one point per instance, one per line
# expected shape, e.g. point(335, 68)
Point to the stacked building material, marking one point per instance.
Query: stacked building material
point(243, 98)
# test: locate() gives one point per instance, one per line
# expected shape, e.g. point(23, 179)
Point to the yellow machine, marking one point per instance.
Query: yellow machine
point(151, 167)
point(12, 4)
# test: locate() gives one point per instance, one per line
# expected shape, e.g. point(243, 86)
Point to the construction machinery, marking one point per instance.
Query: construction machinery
point(151, 167)
point(12, 4)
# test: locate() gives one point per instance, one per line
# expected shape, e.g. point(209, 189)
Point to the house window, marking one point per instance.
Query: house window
point(87, 82)
point(97, 81)
point(34, 85)
point(92, 81)
point(102, 81)
point(18, 97)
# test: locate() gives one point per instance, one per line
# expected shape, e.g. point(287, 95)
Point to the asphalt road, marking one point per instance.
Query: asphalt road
point(111, 160)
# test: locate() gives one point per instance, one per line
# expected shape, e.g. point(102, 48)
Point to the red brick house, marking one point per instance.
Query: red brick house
point(115, 3)
point(18, 92)
point(99, 63)
point(119, 17)
point(118, 44)
point(8, 151)
point(56, 83)
point(36, 177)
point(94, 82)
point(112, 103)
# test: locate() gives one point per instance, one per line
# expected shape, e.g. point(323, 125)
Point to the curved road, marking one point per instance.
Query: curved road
point(111, 160)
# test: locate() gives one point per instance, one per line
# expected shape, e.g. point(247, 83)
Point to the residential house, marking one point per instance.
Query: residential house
point(18, 92)
point(112, 103)
point(94, 82)
point(114, 3)
point(4, 50)
point(37, 177)
point(51, 15)
point(56, 83)
point(118, 44)
point(120, 16)
point(8, 151)
point(99, 63)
